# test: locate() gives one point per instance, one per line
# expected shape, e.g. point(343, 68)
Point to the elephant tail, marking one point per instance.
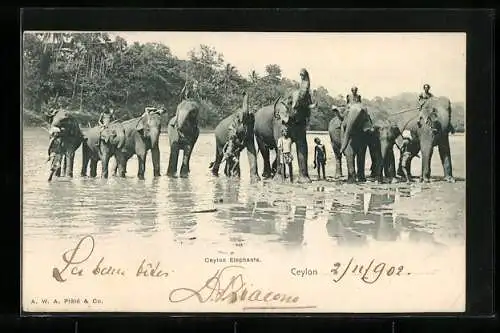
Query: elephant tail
point(211, 165)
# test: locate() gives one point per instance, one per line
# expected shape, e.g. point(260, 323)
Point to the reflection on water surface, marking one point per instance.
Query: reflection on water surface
point(247, 215)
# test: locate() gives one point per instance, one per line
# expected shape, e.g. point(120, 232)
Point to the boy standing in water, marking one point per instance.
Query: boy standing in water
point(285, 153)
point(319, 157)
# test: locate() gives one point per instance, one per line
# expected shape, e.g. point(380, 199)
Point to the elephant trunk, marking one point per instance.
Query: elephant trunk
point(120, 135)
point(186, 117)
point(245, 104)
point(385, 148)
point(154, 135)
point(350, 121)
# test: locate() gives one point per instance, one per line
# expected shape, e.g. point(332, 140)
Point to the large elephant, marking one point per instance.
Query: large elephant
point(183, 133)
point(293, 112)
point(351, 133)
point(141, 134)
point(424, 137)
point(100, 145)
point(65, 138)
point(237, 131)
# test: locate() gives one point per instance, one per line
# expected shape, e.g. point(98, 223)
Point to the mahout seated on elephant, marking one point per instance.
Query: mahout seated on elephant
point(65, 138)
point(425, 136)
point(141, 135)
point(232, 135)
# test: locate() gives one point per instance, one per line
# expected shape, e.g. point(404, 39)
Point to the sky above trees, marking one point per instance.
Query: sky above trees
point(380, 64)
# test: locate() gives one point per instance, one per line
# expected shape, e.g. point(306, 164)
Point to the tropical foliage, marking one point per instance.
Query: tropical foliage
point(87, 72)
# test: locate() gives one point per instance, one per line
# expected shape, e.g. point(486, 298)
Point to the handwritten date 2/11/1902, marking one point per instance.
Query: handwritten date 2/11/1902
point(369, 273)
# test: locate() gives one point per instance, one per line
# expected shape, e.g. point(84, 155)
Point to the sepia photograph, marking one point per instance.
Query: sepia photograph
point(243, 172)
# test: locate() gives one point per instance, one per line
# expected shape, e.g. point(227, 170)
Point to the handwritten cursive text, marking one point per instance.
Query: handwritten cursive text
point(228, 285)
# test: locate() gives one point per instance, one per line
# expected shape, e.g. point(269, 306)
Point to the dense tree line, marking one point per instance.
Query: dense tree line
point(87, 72)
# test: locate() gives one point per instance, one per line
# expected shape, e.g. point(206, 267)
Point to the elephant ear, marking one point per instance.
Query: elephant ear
point(367, 123)
point(281, 112)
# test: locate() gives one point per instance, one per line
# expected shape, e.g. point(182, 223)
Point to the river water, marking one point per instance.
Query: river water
point(290, 221)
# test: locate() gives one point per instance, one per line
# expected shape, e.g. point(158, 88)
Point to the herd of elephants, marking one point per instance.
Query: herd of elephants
point(352, 131)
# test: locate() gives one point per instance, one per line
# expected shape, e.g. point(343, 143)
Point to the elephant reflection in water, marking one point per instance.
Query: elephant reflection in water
point(226, 191)
point(364, 220)
point(181, 201)
point(262, 216)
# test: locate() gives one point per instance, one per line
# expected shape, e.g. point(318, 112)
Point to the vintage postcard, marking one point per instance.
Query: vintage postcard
point(224, 172)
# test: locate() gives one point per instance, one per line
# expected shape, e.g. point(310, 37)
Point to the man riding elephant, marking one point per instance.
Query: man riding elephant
point(105, 118)
point(424, 118)
point(425, 137)
point(305, 88)
point(353, 97)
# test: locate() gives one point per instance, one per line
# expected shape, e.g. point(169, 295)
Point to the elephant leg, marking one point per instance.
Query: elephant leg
point(390, 166)
point(427, 151)
point(351, 170)
point(121, 163)
point(445, 155)
point(104, 165)
point(172, 162)
point(252, 160)
point(374, 173)
point(360, 160)
point(85, 160)
point(338, 163)
point(274, 165)
point(93, 168)
point(302, 153)
point(69, 163)
point(141, 168)
point(185, 170)
point(218, 159)
point(264, 151)
point(155, 158)
point(64, 165)
point(237, 170)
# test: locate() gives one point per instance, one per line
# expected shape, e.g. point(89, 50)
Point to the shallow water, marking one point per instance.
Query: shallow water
point(267, 217)
point(266, 212)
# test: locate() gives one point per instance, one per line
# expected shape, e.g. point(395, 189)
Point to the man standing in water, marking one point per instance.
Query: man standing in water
point(285, 153)
point(319, 157)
